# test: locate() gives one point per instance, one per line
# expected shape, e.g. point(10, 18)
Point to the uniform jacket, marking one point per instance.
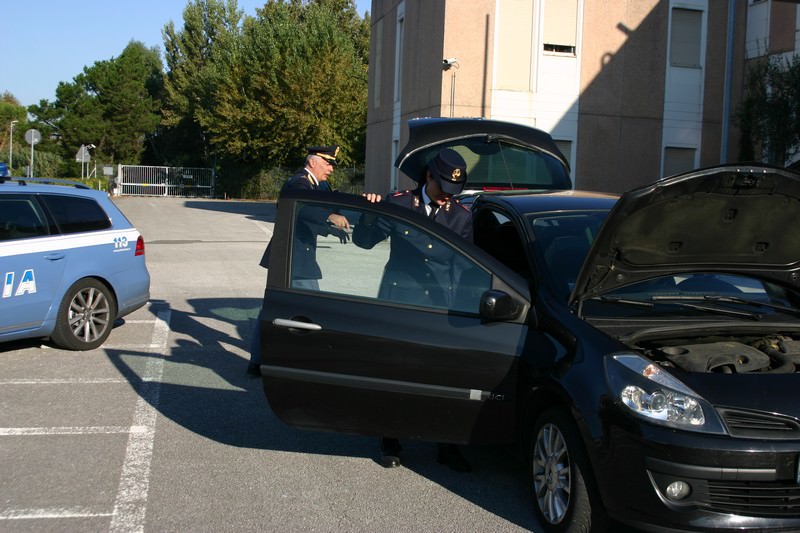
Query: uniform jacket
point(312, 222)
point(420, 270)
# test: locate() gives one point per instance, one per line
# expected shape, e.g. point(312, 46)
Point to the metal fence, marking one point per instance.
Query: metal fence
point(134, 180)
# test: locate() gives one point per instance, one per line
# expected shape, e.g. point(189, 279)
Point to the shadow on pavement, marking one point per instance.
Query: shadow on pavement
point(205, 389)
point(264, 211)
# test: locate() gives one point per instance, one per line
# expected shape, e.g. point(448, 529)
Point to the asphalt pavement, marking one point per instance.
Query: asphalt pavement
point(161, 429)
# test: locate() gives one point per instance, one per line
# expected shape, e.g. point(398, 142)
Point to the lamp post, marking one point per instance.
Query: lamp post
point(11, 145)
point(447, 64)
point(89, 147)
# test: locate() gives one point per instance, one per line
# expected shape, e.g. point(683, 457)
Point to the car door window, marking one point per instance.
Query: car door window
point(20, 218)
point(401, 263)
point(75, 215)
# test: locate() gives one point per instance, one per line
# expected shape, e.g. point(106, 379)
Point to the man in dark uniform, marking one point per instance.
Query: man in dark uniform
point(419, 271)
point(312, 221)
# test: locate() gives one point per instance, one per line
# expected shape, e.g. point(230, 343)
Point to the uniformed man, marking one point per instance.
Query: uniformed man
point(418, 270)
point(312, 221)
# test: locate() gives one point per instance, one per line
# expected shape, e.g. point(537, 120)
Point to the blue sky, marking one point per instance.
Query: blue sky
point(45, 42)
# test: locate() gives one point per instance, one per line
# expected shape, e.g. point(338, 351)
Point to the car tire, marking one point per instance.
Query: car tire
point(85, 316)
point(564, 496)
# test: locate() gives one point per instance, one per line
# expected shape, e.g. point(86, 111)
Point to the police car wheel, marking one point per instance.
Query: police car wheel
point(85, 316)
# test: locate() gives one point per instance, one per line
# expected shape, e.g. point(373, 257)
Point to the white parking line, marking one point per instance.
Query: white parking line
point(65, 512)
point(130, 506)
point(131, 503)
point(86, 430)
point(264, 226)
point(62, 381)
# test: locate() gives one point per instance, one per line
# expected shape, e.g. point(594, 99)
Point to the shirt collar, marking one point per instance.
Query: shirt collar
point(425, 198)
point(313, 177)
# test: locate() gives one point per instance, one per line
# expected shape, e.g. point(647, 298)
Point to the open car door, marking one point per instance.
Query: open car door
point(437, 361)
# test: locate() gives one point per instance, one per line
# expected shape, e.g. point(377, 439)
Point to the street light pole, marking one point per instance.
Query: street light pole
point(11, 145)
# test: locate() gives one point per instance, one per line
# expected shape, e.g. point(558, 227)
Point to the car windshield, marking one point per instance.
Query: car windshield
point(562, 242)
point(698, 293)
point(496, 164)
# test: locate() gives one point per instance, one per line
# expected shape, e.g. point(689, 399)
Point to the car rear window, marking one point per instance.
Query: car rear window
point(494, 163)
point(74, 214)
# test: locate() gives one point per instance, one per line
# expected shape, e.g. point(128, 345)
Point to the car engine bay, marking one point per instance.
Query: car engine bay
point(771, 354)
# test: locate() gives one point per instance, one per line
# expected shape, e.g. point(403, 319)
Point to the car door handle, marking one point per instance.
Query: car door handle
point(295, 324)
point(54, 257)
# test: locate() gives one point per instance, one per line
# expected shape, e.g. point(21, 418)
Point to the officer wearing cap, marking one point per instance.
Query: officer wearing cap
point(420, 271)
point(319, 164)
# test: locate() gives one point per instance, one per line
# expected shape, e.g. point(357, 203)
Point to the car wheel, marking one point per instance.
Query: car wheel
point(85, 316)
point(564, 497)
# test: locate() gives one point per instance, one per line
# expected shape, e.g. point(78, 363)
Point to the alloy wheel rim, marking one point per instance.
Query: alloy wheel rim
point(552, 477)
point(89, 314)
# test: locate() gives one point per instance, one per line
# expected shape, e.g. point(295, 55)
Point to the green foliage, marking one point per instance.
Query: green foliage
point(244, 95)
point(113, 104)
point(296, 77)
point(11, 110)
point(188, 84)
point(769, 114)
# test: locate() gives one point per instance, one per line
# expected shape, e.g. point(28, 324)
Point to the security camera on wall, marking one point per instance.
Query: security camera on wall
point(449, 62)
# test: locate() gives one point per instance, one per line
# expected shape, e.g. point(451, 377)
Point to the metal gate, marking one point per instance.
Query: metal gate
point(134, 180)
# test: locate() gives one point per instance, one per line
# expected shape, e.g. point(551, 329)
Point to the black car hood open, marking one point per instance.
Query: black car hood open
point(734, 219)
point(426, 133)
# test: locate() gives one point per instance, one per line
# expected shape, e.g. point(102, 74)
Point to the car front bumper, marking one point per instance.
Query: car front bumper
point(730, 484)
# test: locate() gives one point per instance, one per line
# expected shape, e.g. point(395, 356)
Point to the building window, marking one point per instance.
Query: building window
point(398, 52)
point(378, 65)
point(678, 160)
point(560, 29)
point(685, 38)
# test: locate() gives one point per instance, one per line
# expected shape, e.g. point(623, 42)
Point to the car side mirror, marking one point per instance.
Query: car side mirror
point(498, 305)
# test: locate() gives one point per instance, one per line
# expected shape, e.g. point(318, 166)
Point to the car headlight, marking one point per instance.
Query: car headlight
point(650, 392)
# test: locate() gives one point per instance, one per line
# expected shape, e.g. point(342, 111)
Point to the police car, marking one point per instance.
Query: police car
point(71, 263)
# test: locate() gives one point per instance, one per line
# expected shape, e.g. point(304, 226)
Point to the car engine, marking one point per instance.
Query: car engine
point(777, 354)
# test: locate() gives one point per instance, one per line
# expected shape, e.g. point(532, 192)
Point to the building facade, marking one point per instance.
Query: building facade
point(631, 90)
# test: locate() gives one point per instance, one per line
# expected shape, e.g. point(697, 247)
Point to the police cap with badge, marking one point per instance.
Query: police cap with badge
point(328, 153)
point(449, 168)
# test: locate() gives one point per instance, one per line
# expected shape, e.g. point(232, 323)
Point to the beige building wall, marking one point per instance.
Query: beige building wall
point(622, 93)
point(611, 111)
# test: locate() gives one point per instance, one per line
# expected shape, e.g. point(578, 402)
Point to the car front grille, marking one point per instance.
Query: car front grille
point(764, 499)
point(760, 425)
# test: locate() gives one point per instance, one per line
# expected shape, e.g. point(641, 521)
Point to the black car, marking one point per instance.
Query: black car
point(643, 350)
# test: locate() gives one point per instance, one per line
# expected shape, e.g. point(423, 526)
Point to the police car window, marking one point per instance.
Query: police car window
point(20, 218)
point(74, 214)
point(386, 260)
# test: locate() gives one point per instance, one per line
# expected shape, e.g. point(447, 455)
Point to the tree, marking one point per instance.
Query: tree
point(12, 110)
point(297, 77)
point(769, 114)
point(113, 104)
point(189, 56)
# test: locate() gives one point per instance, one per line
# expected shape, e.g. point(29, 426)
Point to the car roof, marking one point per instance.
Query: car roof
point(545, 201)
point(10, 185)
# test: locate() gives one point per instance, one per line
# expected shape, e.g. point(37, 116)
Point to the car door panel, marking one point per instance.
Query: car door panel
point(31, 270)
point(345, 359)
